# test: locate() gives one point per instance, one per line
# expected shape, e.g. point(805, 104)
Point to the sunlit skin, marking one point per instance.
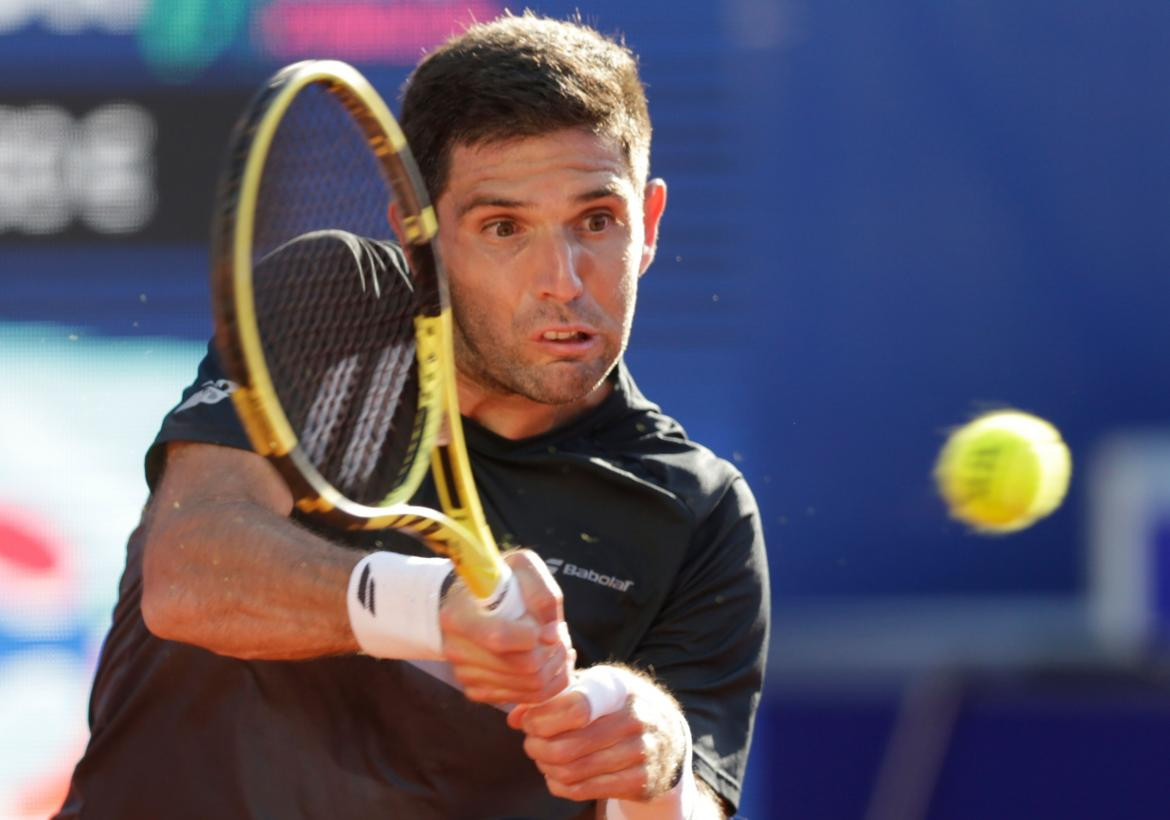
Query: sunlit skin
point(544, 239)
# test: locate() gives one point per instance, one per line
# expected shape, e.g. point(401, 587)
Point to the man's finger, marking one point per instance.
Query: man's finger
point(542, 595)
point(627, 753)
point(532, 672)
point(628, 784)
point(569, 711)
point(467, 650)
point(460, 615)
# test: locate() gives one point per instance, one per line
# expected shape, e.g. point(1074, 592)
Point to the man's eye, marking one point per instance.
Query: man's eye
point(502, 229)
point(598, 222)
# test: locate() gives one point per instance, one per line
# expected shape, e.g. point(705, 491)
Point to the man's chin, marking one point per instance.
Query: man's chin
point(563, 383)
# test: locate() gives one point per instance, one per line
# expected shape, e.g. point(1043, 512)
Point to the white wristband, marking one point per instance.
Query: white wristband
point(676, 804)
point(604, 689)
point(393, 605)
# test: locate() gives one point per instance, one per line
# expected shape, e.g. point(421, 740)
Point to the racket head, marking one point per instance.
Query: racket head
point(312, 316)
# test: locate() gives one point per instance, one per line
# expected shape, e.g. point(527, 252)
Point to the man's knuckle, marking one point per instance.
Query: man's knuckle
point(495, 637)
point(522, 557)
point(570, 791)
point(454, 652)
point(528, 683)
point(571, 750)
point(560, 773)
point(540, 603)
point(579, 791)
point(544, 693)
point(528, 663)
point(558, 684)
point(554, 755)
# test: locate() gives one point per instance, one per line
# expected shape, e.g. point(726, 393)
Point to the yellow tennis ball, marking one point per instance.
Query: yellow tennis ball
point(1003, 471)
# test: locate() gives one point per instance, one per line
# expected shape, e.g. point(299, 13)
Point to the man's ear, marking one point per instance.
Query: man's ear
point(653, 204)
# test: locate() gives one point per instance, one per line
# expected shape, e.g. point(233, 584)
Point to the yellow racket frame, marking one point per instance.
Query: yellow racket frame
point(461, 531)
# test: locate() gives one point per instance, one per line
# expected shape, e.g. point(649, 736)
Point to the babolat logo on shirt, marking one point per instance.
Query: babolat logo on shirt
point(556, 565)
point(210, 392)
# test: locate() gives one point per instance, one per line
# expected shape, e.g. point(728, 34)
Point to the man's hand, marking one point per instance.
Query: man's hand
point(632, 754)
point(502, 661)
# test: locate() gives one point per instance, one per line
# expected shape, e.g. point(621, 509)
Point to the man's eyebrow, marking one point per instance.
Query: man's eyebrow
point(491, 201)
point(488, 201)
point(607, 190)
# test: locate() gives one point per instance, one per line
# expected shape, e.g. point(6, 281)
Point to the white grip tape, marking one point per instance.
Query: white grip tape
point(506, 602)
point(393, 605)
point(677, 804)
point(603, 687)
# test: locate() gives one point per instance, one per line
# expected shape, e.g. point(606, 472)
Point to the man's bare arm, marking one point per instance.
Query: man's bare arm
point(227, 570)
point(224, 567)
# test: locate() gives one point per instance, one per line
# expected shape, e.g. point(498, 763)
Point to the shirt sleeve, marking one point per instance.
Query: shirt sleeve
point(708, 645)
point(204, 414)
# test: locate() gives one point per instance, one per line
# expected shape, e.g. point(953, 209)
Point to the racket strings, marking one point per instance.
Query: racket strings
point(335, 308)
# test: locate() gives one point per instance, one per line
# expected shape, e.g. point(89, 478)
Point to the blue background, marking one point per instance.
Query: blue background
point(883, 219)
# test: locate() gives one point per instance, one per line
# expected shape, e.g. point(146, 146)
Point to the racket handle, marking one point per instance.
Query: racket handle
point(506, 601)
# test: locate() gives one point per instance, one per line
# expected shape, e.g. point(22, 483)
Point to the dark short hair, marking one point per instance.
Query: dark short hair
point(523, 76)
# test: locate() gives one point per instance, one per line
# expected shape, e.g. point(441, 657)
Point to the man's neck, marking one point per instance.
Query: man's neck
point(516, 417)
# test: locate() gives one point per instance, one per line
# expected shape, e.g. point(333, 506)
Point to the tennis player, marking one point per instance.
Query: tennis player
point(238, 680)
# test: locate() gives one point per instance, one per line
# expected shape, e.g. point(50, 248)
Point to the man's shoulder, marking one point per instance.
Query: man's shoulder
point(654, 446)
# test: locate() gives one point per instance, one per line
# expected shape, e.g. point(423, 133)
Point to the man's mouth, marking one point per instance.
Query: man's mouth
point(564, 336)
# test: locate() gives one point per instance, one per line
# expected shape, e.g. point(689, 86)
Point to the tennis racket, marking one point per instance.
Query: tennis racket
point(343, 355)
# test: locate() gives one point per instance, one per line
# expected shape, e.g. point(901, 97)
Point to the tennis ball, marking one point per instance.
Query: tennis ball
point(1003, 471)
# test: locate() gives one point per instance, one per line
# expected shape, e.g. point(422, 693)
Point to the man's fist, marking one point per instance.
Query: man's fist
point(501, 661)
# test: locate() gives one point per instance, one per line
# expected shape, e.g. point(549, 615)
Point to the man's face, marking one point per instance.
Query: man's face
point(544, 239)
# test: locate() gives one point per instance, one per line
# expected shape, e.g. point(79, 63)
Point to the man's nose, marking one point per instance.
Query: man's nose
point(559, 276)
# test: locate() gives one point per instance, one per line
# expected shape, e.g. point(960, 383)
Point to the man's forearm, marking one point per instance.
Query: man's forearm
point(242, 580)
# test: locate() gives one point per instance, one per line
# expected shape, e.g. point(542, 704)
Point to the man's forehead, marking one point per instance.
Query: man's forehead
point(598, 161)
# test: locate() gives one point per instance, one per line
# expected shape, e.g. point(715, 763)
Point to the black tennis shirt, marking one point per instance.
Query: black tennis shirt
point(655, 542)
